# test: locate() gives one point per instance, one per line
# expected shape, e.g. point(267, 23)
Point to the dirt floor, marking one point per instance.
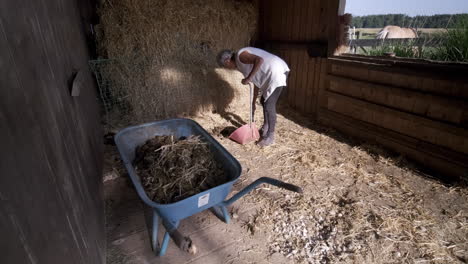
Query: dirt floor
point(361, 204)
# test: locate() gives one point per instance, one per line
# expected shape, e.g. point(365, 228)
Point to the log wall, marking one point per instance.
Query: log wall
point(416, 108)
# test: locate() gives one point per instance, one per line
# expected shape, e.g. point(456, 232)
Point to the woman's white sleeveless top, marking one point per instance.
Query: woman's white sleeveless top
point(272, 73)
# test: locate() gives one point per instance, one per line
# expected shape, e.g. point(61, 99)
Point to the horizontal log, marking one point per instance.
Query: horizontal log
point(315, 49)
point(425, 129)
point(386, 75)
point(392, 42)
point(413, 67)
point(423, 104)
point(451, 164)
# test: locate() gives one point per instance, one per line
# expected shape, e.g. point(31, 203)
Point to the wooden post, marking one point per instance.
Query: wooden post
point(335, 10)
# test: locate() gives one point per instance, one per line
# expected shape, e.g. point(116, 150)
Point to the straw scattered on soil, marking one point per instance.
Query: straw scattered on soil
point(174, 169)
point(361, 203)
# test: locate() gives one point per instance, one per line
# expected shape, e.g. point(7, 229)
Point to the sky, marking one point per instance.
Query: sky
point(409, 7)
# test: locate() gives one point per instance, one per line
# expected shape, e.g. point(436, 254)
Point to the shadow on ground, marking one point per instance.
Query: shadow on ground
point(373, 148)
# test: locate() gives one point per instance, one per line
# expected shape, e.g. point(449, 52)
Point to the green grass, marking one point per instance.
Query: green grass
point(453, 46)
point(405, 50)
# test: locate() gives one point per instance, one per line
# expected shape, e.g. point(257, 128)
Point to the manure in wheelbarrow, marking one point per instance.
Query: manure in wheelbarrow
point(174, 169)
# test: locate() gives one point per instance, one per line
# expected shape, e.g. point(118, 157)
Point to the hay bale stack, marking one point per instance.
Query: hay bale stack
point(163, 55)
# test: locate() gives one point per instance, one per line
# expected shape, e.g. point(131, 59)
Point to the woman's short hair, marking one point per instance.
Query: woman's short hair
point(225, 55)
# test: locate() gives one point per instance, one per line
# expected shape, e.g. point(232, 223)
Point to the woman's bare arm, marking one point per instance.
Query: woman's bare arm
point(248, 58)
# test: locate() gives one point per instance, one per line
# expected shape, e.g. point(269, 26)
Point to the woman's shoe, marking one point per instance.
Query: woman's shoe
point(267, 141)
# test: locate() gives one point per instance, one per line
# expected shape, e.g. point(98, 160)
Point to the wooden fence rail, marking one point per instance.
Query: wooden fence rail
point(419, 42)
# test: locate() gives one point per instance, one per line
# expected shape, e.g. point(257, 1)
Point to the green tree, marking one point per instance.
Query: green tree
point(436, 21)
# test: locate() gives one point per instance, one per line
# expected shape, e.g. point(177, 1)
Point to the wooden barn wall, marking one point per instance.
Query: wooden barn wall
point(289, 29)
point(51, 193)
point(417, 110)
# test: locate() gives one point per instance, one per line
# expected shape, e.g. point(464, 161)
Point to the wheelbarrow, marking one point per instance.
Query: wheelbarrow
point(170, 215)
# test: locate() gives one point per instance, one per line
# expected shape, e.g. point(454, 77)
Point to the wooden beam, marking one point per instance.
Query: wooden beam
point(437, 108)
point(436, 133)
point(417, 67)
point(390, 42)
point(336, 8)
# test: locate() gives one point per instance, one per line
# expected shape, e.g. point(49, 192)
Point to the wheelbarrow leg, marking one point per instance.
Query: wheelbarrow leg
point(221, 212)
point(164, 244)
point(154, 234)
point(159, 251)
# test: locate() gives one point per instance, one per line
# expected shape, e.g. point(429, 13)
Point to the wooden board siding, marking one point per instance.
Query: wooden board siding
point(51, 193)
point(294, 20)
point(420, 115)
point(453, 110)
point(287, 29)
point(304, 79)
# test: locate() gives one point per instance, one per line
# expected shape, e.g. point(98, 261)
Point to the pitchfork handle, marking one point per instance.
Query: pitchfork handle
point(251, 103)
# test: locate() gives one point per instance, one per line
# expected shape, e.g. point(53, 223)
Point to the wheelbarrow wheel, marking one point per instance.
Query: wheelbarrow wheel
point(183, 242)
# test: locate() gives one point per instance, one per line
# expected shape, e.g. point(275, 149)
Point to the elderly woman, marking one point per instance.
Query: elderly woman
point(268, 73)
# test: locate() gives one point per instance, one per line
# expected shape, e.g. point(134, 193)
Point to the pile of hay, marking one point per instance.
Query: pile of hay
point(172, 170)
point(163, 56)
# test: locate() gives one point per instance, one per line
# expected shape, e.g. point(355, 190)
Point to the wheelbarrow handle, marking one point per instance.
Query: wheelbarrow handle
point(275, 182)
point(289, 187)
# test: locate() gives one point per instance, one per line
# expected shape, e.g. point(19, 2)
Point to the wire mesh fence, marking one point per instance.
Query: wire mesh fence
point(112, 94)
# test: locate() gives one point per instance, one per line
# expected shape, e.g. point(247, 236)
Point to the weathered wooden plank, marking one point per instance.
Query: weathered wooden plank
point(290, 19)
point(297, 20)
point(436, 133)
point(408, 61)
point(299, 74)
point(283, 23)
point(323, 83)
point(378, 42)
point(333, 11)
point(310, 92)
point(267, 26)
point(274, 20)
point(381, 74)
point(312, 20)
point(442, 71)
point(292, 77)
point(426, 105)
point(304, 21)
point(302, 98)
point(323, 21)
point(261, 19)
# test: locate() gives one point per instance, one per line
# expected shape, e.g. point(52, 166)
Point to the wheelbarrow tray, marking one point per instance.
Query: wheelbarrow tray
point(127, 141)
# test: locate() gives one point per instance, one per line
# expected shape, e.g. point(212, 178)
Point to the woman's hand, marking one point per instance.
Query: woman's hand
point(245, 81)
